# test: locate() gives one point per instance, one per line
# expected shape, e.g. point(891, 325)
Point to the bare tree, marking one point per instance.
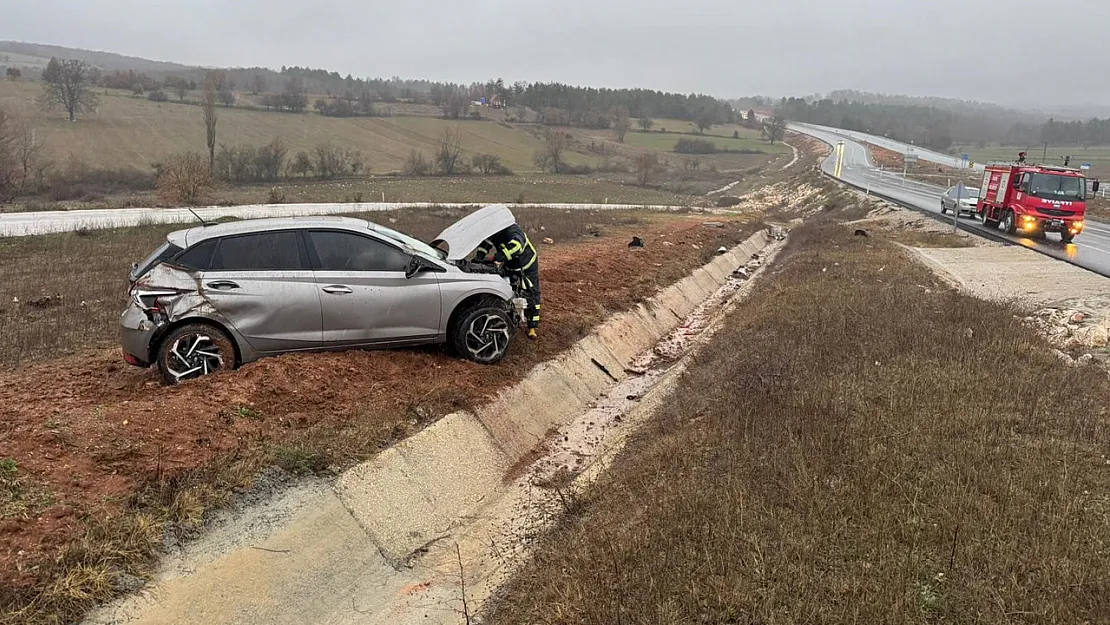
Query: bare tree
point(208, 104)
point(704, 122)
point(227, 97)
point(622, 123)
point(27, 154)
point(774, 128)
point(66, 83)
point(646, 123)
point(647, 167)
point(9, 184)
point(450, 147)
point(14, 73)
point(550, 157)
point(258, 84)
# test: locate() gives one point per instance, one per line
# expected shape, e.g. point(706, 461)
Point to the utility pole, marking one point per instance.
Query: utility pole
point(1044, 157)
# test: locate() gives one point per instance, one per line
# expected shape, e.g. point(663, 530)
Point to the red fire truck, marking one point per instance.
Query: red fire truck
point(1034, 198)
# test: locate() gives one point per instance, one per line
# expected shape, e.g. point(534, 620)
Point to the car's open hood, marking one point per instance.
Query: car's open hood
point(466, 234)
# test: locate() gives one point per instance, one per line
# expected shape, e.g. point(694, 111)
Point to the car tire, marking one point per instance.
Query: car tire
point(1009, 222)
point(482, 333)
point(194, 350)
point(1066, 237)
point(943, 208)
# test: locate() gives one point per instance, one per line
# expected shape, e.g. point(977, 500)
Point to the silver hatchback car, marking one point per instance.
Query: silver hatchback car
point(218, 296)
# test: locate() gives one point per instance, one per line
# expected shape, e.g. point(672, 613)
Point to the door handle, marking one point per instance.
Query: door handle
point(221, 285)
point(337, 289)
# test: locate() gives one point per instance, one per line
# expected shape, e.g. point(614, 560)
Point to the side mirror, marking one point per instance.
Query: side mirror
point(419, 264)
point(1094, 186)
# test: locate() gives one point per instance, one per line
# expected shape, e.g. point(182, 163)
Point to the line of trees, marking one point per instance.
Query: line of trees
point(938, 123)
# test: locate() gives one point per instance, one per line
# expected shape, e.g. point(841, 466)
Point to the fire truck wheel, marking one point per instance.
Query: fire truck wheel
point(987, 222)
point(1009, 222)
point(1066, 237)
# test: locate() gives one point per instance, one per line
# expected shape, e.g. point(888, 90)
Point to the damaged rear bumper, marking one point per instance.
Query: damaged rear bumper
point(137, 334)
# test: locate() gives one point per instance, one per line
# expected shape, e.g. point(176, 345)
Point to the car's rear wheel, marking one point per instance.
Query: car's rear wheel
point(194, 350)
point(482, 333)
point(943, 208)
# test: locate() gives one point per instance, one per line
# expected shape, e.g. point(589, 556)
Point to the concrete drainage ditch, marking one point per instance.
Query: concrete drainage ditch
point(399, 538)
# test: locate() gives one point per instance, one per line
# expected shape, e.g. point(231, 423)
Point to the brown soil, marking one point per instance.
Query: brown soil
point(94, 432)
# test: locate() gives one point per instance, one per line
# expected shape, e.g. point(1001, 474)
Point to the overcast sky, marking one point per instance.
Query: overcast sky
point(1044, 52)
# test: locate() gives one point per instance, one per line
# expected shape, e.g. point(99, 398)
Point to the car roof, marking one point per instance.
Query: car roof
point(192, 236)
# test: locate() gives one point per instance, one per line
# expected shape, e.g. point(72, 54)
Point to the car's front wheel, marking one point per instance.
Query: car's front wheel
point(194, 350)
point(482, 333)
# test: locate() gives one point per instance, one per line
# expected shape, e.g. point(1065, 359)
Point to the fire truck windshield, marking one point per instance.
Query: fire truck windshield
point(1062, 188)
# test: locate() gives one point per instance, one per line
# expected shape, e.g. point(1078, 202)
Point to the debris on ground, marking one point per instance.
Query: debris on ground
point(548, 240)
point(891, 218)
point(636, 242)
point(1069, 328)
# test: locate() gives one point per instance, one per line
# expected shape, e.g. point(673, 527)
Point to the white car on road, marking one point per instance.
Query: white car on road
point(969, 201)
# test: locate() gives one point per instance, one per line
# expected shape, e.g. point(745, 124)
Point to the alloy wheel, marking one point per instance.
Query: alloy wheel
point(487, 336)
point(193, 355)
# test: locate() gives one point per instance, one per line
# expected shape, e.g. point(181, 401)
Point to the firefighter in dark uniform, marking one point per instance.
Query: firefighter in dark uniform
point(518, 257)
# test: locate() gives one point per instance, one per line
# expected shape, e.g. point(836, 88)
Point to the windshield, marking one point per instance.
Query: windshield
point(410, 242)
point(1062, 188)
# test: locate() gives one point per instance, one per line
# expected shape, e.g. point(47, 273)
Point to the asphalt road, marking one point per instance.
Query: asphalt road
point(1090, 250)
point(892, 145)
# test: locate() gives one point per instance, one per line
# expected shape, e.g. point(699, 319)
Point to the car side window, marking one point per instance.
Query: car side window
point(346, 251)
point(265, 251)
point(196, 258)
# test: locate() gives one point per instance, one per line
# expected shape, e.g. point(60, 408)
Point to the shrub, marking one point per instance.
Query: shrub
point(302, 164)
point(157, 96)
point(686, 145)
point(332, 161)
point(185, 179)
point(79, 181)
point(416, 165)
point(247, 163)
point(490, 165)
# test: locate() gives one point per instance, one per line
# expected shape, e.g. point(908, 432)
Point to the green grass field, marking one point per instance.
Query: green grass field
point(1098, 157)
point(133, 132)
point(667, 141)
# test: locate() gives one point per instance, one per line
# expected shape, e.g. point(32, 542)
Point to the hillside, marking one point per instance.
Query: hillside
point(133, 132)
point(36, 54)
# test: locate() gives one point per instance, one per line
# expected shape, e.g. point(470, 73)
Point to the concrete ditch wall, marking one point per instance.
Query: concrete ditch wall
point(418, 491)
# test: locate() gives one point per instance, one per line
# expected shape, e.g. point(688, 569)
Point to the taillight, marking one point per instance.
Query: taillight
point(148, 299)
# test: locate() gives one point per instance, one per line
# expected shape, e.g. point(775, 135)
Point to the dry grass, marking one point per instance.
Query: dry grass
point(19, 497)
point(860, 445)
point(62, 293)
